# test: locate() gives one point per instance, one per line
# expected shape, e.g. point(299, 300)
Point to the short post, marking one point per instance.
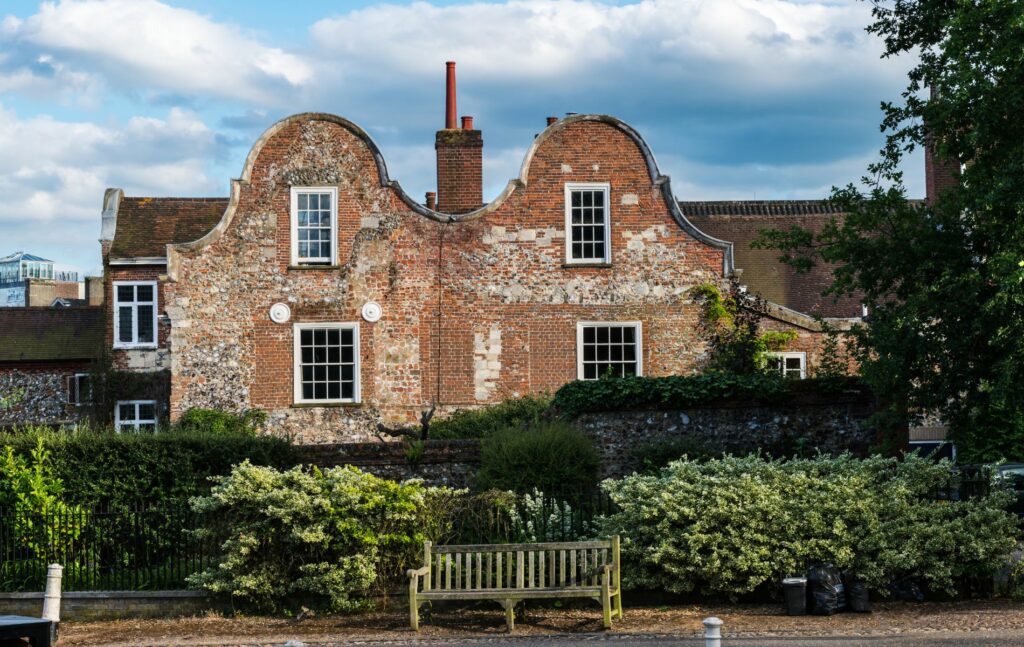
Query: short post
point(51, 597)
point(712, 632)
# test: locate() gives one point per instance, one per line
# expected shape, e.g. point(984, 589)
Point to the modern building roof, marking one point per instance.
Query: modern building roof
point(740, 222)
point(145, 226)
point(22, 256)
point(50, 334)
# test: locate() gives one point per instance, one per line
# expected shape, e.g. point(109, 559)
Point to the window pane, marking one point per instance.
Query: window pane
point(125, 293)
point(303, 201)
point(147, 411)
point(325, 202)
point(126, 412)
point(145, 324)
point(124, 324)
point(144, 293)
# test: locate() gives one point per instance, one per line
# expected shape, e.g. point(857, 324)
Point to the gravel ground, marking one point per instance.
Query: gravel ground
point(1001, 621)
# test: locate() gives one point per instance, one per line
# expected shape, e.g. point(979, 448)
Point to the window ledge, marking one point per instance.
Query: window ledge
point(308, 268)
point(326, 405)
point(569, 266)
point(136, 347)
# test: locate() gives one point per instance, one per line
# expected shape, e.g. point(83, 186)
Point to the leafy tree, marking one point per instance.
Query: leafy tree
point(944, 280)
point(731, 323)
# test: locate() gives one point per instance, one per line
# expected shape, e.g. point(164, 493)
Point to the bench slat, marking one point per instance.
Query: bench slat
point(512, 594)
point(530, 577)
point(490, 548)
point(520, 580)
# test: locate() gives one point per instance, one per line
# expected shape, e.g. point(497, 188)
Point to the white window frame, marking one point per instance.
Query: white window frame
point(588, 186)
point(295, 192)
point(637, 325)
point(76, 381)
point(135, 317)
point(136, 423)
point(788, 355)
point(297, 362)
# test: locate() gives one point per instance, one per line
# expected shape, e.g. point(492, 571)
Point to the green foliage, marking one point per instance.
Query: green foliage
point(732, 325)
point(655, 455)
point(31, 491)
point(217, 422)
point(9, 399)
point(480, 423)
point(323, 537)
point(683, 391)
point(122, 470)
point(944, 281)
point(546, 456)
point(730, 525)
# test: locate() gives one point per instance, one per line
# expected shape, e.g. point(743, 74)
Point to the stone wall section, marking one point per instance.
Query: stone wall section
point(43, 398)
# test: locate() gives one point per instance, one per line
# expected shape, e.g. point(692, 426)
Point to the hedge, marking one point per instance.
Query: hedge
point(727, 527)
point(682, 391)
point(124, 470)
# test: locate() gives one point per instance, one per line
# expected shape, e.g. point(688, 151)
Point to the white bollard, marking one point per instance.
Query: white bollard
point(51, 598)
point(712, 632)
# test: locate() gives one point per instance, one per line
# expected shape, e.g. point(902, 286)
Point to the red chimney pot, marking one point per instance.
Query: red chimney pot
point(431, 200)
point(552, 120)
point(449, 114)
point(467, 122)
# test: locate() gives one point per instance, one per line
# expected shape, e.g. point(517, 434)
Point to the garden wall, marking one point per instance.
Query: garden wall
point(442, 462)
point(808, 423)
point(111, 605)
point(831, 423)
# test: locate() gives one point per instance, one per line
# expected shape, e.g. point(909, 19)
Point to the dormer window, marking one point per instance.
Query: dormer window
point(587, 225)
point(314, 226)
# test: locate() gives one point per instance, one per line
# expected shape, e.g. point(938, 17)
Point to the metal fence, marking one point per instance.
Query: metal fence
point(101, 549)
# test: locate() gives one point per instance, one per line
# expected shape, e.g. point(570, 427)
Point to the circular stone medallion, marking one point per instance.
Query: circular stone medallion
point(280, 313)
point(372, 311)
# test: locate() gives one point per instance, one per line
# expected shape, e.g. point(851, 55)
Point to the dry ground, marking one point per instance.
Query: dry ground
point(488, 621)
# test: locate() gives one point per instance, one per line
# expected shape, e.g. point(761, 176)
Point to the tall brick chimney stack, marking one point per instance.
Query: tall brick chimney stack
point(940, 174)
point(460, 178)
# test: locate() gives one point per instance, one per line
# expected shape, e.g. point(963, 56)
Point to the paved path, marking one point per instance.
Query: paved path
point(941, 639)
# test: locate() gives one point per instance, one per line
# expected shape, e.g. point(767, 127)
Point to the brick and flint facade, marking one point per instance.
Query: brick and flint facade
point(408, 306)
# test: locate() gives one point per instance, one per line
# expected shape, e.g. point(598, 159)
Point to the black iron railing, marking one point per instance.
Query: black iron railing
point(101, 549)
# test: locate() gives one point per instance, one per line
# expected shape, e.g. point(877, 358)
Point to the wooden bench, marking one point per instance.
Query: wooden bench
point(508, 573)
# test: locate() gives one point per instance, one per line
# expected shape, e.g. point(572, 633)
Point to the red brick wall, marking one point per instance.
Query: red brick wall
point(460, 179)
point(137, 357)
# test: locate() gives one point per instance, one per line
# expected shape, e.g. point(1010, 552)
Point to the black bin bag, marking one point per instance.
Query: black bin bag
point(856, 593)
point(825, 590)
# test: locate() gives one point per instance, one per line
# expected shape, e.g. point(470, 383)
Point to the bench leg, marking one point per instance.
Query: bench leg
point(510, 615)
point(618, 603)
point(606, 602)
point(414, 607)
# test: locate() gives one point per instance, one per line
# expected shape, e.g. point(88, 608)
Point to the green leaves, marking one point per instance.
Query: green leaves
point(729, 526)
point(309, 536)
point(941, 279)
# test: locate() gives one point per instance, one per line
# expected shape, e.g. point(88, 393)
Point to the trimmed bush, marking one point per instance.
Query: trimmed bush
point(551, 457)
point(214, 421)
point(729, 526)
point(308, 536)
point(480, 423)
point(122, 470)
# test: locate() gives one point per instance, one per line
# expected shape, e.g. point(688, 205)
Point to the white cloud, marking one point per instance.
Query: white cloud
point(776, 44)
point(150, 44)
point(51, 187)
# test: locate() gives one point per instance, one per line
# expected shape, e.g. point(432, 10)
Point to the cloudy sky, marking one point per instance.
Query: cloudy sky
point(739, 99)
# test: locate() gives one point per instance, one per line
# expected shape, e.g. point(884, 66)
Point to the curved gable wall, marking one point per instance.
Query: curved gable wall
point(477, 308)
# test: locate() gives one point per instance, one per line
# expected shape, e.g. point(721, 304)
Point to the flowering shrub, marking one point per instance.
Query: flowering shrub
point(731, 525)
point(316, 536)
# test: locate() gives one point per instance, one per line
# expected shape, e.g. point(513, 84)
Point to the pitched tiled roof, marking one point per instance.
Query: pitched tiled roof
point(145, 226)
point(50, 334)
point(740, 222)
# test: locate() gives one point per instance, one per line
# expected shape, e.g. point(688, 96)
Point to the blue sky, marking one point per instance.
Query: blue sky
point(739, 99)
